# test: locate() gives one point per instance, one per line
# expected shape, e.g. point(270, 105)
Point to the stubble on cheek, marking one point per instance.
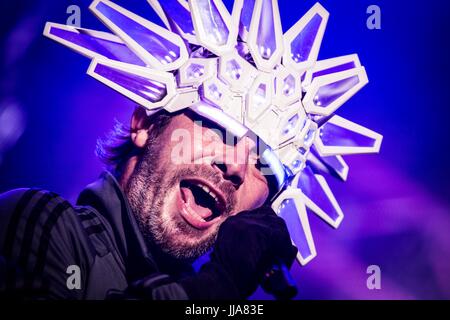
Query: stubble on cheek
point(152, 196)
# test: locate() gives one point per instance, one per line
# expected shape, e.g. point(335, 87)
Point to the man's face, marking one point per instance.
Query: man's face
point(188, 181)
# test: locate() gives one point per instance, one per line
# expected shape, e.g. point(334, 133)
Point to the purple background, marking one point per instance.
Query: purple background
point(396, 204)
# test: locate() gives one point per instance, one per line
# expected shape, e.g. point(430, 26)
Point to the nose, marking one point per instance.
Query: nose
point(234, 162)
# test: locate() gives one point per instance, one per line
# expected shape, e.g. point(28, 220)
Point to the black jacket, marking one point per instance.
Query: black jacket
point(42, 235)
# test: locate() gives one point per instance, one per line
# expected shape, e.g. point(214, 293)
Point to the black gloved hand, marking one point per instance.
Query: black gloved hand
point(247, 246)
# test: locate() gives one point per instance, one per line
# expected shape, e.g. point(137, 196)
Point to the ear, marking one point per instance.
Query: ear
point(139, 127)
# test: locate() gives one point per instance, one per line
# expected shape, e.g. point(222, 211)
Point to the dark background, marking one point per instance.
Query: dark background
point(396, 203)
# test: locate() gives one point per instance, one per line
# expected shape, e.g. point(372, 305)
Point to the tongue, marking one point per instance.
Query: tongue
point(189, 198)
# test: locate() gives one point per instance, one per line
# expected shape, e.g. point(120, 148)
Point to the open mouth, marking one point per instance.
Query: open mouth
point(201, 202)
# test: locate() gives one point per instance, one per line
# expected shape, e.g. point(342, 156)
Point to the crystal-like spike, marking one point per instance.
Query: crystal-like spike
point(327, 93)
point(330, 66)
point(158, 47)
point(176, 16)
point(288, 87)
point(196, 71)
point(246, 8)
point(265, 37)
point(91, 43)
point(237, 72)
point(318, 196)
point(150, 88)
point(333, 165)
point(259, 97)
point(340, 136)
point(213, 25)
point(302, 41)
point(291, 208)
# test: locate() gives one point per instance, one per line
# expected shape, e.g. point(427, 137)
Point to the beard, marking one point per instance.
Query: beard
point(149, 189)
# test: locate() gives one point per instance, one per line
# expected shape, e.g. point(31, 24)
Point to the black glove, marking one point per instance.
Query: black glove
point(247, 246)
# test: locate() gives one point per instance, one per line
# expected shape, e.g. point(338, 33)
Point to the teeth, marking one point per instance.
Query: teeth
point(208, 191)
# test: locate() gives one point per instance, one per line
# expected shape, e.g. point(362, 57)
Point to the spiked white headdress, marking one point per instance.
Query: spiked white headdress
point(240, 71)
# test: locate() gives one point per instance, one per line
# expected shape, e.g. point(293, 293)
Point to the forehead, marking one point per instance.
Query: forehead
point(192, 122)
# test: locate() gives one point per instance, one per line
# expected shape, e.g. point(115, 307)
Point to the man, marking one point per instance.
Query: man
point(135, 232)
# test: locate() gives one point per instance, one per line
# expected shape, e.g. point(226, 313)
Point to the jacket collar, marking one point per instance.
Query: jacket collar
point(106, 196)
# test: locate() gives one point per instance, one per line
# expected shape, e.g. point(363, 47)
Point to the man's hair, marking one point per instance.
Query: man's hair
point(116, 147)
